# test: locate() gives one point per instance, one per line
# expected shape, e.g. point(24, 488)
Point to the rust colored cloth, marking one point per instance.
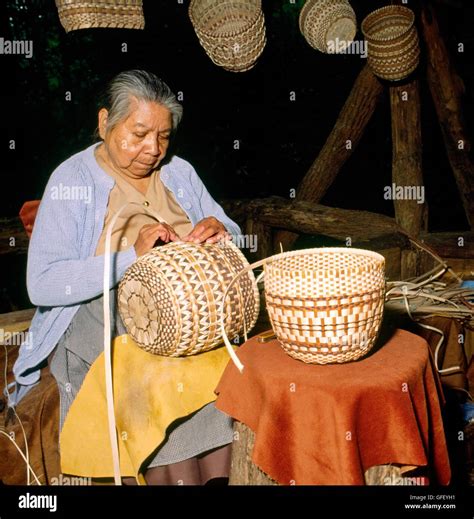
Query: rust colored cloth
point(326, 425)
point(28, 214)
point(39, 412)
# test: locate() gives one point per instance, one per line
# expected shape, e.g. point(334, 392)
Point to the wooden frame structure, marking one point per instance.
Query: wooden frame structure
point(305, 215)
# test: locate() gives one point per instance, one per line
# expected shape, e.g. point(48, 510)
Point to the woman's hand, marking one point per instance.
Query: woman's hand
point(209, 230)
point(150, 233)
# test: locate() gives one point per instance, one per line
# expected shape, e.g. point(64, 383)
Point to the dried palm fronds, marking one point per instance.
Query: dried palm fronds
point(426, 296)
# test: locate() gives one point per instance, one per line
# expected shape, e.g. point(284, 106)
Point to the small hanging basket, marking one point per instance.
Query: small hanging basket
point(393, 50)
point(112, 14)
point(171, 299)
point(232, 32)
point(328, 24)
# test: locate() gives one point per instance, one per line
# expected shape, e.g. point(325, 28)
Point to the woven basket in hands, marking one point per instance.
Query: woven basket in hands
point(171, 299)
point(117, 14)
point(393, 50)
point(323, 22)
point(326, 304)
point(232, 32)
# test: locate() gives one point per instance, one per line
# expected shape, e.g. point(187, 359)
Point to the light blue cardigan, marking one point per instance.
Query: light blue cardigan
point(62, 270)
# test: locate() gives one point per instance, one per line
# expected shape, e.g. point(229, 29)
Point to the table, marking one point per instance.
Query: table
point(328, 425)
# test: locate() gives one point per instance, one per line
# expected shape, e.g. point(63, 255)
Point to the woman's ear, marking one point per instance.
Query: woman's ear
point(102, 122)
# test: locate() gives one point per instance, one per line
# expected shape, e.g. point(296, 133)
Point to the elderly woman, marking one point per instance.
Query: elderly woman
point(66, 256)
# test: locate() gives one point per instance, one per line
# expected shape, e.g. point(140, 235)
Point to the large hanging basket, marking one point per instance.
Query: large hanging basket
point(232, 32)
point(328, 24)
point(116, 14)
point(326, 304)
point(393, 50)
point(171, 299)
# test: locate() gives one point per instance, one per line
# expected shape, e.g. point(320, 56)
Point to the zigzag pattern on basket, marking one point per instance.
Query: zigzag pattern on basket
point(171, 299)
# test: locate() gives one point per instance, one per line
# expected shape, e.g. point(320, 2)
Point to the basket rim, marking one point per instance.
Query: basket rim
point(258, 13)
point(396, 9)
point(380, 260)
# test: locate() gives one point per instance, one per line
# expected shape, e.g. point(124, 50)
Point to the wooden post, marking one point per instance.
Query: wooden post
point(243, 471)
point(343, 139)
point(407, 148)
point(446, 89)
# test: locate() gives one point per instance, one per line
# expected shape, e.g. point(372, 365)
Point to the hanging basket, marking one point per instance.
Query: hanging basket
point(393, 50)
point(232, 32)
point(171, 299)
point(116, 14)
point(328, 24)
point(326, 304)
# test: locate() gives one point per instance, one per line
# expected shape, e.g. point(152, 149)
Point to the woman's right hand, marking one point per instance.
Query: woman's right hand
point(150, 233)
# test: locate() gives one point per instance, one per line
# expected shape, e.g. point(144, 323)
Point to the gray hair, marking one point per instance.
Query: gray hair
point(143, 86)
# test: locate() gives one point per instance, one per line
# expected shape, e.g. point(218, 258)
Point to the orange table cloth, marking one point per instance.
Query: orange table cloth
point(326, 425)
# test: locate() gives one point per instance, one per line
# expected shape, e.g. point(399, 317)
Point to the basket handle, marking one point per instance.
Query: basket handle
point(107, 340)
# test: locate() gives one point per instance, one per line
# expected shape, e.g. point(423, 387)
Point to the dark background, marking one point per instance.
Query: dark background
point(279, 138)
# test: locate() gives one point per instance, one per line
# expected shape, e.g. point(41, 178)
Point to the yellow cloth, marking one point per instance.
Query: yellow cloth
point(150, 393)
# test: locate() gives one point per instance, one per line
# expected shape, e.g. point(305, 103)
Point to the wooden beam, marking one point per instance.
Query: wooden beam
point(349, 128)
point(304, 217)
point(446, 90)
point(451, 244)
point(19, 321)
point(343, 139)
point(407, 151)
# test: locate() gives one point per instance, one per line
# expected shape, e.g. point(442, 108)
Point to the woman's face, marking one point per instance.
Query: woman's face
point(137, 144)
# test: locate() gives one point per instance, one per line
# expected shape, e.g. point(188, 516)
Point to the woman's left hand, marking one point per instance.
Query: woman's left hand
point(208, 230)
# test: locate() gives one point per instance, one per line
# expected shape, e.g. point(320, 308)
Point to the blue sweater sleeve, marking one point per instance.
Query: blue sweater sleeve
point(209, 206)
point(57, 275)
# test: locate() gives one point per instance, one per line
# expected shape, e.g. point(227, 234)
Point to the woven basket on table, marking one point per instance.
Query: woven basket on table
point(117, 14)
point(393, 50)
point(232, 32)
point(324, 21)
point(326, 304)
point(172, 298)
